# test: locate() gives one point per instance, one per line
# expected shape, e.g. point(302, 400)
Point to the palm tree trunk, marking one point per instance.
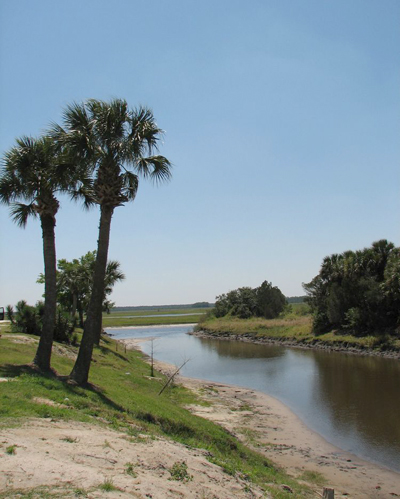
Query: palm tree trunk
point(80, 371)
point(74, 306)
point(43, 352)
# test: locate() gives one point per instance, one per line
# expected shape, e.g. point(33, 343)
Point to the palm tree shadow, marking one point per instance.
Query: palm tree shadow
point(13, 371)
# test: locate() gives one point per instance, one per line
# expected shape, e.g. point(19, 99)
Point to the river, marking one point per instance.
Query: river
point(352, 401)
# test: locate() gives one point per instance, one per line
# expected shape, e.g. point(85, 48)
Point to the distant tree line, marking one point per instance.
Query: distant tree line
point(265, 301)
point(358, 291)
point(296, 299)
point(202, 304)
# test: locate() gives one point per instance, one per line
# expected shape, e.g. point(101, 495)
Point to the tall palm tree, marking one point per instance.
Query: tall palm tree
point(117, 144)
point(29, 181)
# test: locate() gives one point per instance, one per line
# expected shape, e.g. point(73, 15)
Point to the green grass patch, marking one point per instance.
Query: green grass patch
point(108, 486)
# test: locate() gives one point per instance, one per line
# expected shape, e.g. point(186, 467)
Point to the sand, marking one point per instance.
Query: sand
point(73, 455)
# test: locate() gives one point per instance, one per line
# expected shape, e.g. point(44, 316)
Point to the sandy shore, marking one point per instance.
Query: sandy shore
point(274, 430)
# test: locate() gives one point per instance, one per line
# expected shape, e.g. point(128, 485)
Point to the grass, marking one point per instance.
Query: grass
point(179, 472)
point(313, 477)
point(108, 486)
point(11, 450)
point(122, 396)
point(130, 470)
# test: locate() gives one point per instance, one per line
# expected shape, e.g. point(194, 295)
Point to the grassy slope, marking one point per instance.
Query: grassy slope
point(125, 397)
point(295, 327)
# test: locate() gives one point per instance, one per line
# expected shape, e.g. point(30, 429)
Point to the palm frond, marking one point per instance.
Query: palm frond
point(9, 187)
point(157, 168)
point(144, 133)
point(21, 212)
point(84, 192)
point(130, 184)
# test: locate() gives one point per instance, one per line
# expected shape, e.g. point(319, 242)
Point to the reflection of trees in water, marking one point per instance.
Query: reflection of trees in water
point(362, 394)
point(241, 349)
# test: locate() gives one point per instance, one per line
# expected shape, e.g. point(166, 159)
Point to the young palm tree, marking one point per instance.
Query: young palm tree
point(117, 144)
point(30, 178)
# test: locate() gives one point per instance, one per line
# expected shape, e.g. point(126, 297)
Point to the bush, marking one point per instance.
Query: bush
point(28, 319)
point(265, 301)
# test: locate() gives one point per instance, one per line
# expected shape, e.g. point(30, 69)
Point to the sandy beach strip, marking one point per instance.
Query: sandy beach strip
point(271, 428)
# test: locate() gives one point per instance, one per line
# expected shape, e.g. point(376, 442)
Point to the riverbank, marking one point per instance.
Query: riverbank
point(268, 426)
point(117, 436)
point(296, 332)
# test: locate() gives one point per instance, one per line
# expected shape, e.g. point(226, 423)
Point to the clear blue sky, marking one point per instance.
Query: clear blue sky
point(282, 120)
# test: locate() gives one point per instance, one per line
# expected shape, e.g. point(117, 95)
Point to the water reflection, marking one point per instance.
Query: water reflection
point(352, 401)
point(362, 397)
point(239, 349)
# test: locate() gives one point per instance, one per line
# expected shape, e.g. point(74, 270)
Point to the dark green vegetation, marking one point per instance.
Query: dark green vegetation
point(124, 397)
point(354, 302)
point(265, 301)
point(358, 291)
point(29, 320)
point(75, 280)
point(295, 328)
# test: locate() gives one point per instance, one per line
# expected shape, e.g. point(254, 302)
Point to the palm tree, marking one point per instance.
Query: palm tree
point(30, 178)
point(117, 144)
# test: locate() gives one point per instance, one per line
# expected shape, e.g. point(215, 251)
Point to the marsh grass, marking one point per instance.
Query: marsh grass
point(128, 403)
point(144, 317)
point(293, 328)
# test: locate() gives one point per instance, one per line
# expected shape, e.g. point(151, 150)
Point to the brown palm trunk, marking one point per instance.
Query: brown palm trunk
point(80, 371)
point(74, 306)
point(43, 352)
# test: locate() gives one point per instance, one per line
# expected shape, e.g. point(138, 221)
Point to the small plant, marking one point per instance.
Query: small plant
point(107, 444)
point(80, 493)
point(11, 450)
point(108, 485)
point(245, 407)
point(129, 470)
point(313, 477)
point(179, 472)
point(70, 440)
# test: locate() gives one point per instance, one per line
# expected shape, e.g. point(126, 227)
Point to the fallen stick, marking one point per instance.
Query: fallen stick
point(172, 377)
